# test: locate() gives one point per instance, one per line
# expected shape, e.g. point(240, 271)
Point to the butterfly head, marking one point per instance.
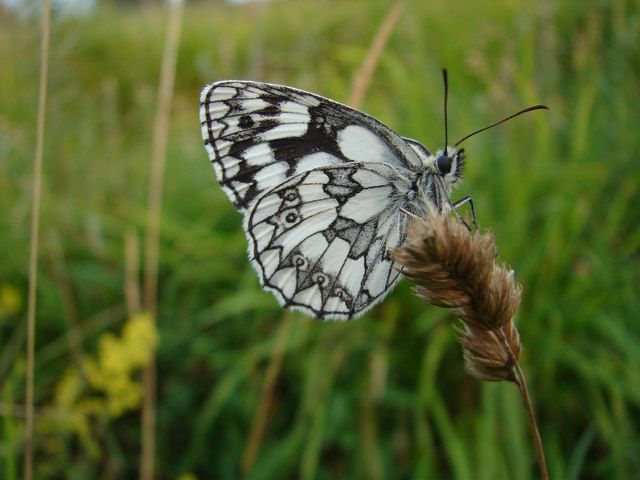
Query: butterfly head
point(449, 164)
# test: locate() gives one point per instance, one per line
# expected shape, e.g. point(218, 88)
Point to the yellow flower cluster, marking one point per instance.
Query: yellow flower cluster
point(107, 385)
point(111, 373)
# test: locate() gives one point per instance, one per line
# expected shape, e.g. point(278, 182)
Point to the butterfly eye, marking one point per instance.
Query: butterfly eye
point(444, 164)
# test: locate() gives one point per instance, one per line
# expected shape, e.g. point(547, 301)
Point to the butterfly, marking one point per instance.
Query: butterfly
point(326, 191)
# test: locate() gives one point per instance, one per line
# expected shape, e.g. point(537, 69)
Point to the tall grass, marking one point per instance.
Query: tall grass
point(154, 210)
point(33, 249)
point(385, 396)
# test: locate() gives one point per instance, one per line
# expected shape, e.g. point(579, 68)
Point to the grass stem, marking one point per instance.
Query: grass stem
point(156, 180)
point(33, 251)
point(363, 76)
point(533, 424)
point(265, 405)
point(521, 382)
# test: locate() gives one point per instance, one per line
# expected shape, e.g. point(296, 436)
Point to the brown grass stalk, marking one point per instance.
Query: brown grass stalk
point(33, 249)
point(363, 76)
point(456, 269)
point(154, 206)
point(265, 405)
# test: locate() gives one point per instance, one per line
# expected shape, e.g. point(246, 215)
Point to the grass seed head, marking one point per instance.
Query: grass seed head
point(456, 269)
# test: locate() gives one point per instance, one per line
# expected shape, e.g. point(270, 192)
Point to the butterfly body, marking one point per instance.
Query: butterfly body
point(326, 191)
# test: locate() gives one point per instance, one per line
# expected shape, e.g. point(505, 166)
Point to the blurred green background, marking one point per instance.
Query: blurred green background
point(382, 397)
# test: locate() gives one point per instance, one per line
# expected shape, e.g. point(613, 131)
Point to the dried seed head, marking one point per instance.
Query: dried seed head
point(486, 356)
point(456, 269)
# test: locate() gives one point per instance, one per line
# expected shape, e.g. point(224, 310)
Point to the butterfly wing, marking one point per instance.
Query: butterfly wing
point(259, 135)
point(320, 240)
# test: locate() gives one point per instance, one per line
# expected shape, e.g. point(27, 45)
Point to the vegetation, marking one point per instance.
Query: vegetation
point(244, 386)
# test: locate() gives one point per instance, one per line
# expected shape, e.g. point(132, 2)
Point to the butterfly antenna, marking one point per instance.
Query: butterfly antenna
point(525, 110)
point(446, 94)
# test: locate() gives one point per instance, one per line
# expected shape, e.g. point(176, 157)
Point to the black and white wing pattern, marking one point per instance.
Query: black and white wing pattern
point(258, 135)
point(321, 187)
point(320, 240)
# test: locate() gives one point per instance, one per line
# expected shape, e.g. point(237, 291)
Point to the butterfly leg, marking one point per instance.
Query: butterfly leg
point(459, 203)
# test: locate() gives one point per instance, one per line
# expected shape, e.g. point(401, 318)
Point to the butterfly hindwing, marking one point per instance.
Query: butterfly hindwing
point(320, 240)
point(259, 135)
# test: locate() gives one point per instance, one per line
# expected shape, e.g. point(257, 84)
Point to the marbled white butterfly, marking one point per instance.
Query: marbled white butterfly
point(326, 191)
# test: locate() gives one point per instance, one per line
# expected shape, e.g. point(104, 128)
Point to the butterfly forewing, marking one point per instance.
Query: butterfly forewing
point(258, 135)
point(320, 240)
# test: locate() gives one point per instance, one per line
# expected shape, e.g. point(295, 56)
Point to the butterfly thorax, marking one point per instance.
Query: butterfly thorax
point(429, 194)
point(431, 186)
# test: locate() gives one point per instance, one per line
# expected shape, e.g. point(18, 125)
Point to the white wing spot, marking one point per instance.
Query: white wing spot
point(335, 256)
point(293, 107)
point(270, 259)
point(258, 155)
point(240, 188)
point(366, 204)
point(317, 177)
point(316, 160)
point(252, 104)
point(310, 297)
point(217, 110)
point(286, 130)
point(285, 280)
point(263, 233)
point(222, 93)
point(335, 304)
point(218, 170)
point(214, 128)
point(377, 280)
point(352, 275)
point(271, 175)
point(294, 236)
point(265, 208)
point(314, 246)
point(368, 178)
point(362, 145)
point(223, 147)
point(231, 166)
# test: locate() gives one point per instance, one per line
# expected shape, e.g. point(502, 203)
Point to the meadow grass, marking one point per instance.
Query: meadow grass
point(385, 396)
